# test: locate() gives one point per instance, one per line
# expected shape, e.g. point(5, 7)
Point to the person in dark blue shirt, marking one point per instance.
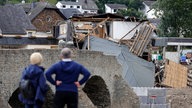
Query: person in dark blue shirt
point(35, 73)
point(66, 80)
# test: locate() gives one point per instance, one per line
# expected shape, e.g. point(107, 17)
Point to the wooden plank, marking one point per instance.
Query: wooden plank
point(135, 43)
point(175, 75)
point(146, 42)
point(130, 31)
point(146, 30)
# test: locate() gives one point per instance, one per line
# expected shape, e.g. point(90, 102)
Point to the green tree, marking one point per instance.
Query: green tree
point(131, 12)
point(2, 2)
point(175, 18)
point(133, 6)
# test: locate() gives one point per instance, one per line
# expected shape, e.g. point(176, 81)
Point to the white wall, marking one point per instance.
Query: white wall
point(60, 6)
point(150, 13)
point(90, 11)
point(108, 9)
point(174, 56)
point(38, 46)
point(120, 28)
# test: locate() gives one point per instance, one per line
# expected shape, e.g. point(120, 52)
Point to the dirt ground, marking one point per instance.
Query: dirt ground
point(180, 98)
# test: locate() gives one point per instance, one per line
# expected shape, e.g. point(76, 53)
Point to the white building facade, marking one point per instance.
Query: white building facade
point(84, 6)
point(113, 8)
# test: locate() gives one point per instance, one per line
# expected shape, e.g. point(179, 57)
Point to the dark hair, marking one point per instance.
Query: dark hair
point(66, 53)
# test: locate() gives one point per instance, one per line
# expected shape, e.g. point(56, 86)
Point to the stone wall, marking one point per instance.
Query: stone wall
point(45, 21)
point(105, 89)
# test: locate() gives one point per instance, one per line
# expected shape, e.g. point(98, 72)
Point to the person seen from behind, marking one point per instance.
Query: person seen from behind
point(66, 81)
point(35, 74)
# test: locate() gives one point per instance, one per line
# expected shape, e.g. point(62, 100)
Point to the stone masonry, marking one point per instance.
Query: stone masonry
point(105, 89)
point(45, 21)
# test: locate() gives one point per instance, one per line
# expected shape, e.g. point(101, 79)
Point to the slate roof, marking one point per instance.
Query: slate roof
point(68, 13)
point(156, 22)
point(149, 3)
point(86, 4)
point(26, 6)
point(27, 41)
point(117, 6)
point(13, 20)
point(30, 6)
point(162, 41)
point(39, 8)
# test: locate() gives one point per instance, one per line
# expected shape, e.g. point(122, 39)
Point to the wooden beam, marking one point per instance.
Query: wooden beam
point(130, 31)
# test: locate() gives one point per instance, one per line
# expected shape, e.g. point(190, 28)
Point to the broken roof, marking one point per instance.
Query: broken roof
point(137, 72)
point(13, 20)
point(86, 4)
point(117, 6)
point(99, 17)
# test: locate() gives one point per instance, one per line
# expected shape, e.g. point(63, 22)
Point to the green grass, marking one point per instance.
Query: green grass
point(52, 1)
point(30, 1)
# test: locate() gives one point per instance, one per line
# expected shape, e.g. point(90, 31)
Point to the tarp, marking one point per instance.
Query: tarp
point(137, 72)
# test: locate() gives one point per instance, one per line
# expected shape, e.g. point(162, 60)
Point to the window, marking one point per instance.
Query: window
point(85, 12)
point(48, 18)
point(78, 7)
point(71, 6)
point(115, 10)
point(64, 6)
point(29, 34)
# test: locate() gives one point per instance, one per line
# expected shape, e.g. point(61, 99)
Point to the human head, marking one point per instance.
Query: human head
point(36, 58)
point(66, 53)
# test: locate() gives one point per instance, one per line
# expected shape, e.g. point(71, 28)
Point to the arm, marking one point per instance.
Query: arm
point(23, 74)
point(49, 73)
point(86, 74)
point(42, 83)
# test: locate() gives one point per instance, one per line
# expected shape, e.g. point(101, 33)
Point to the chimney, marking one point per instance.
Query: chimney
point(77, 0)
point(23, 1)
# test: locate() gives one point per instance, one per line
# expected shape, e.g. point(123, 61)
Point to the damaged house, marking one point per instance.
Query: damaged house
point(110, 34)
point(131, 31)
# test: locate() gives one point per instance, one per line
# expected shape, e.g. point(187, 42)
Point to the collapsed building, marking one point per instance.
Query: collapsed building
point(130, 41)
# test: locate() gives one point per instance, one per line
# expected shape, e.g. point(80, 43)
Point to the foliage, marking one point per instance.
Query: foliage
point(175, 18)
point(130, 12)
point(2, 2)
point(133, 6)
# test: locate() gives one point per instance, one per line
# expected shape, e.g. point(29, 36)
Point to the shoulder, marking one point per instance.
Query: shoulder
point(76, 63)
point(57, 64)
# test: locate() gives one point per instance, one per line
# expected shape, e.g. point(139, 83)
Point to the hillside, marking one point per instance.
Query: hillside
point(30, 1)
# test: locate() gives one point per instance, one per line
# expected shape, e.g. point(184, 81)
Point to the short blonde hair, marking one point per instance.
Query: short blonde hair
point(36, 58)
